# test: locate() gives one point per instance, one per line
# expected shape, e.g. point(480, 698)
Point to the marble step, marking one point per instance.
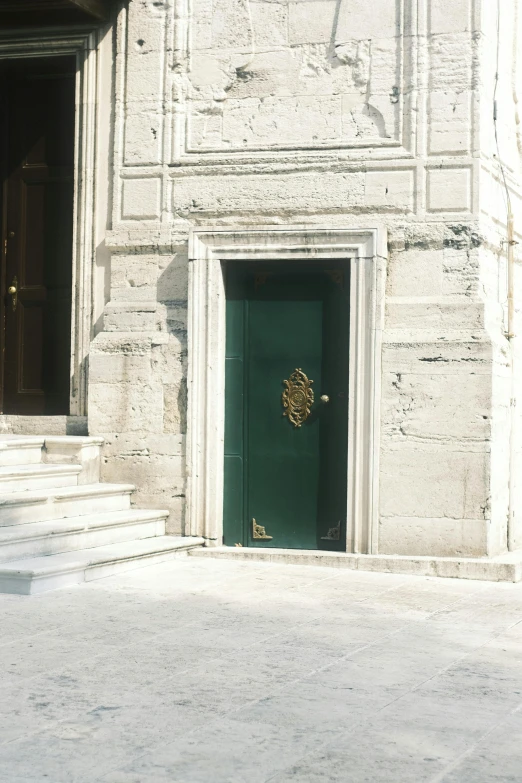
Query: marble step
point(23, 478)
point(20, 449)
point(36, 575)
point(17, 508)
point(501, 568)
point(38, 539)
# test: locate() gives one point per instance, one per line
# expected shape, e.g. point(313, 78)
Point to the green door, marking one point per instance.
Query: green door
point(285, 446)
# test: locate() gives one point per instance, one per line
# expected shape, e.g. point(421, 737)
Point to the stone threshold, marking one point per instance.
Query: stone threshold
point(504, 568)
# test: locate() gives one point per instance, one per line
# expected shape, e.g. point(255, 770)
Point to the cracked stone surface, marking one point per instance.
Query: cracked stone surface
point(203, 670)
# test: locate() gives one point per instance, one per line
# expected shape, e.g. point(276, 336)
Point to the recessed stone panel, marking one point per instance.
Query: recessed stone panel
point(390, 190)
point(144, 65)
point(449, 17)
point(141, 198)
point(292, 75)
point(449, 190)
point(450, 122)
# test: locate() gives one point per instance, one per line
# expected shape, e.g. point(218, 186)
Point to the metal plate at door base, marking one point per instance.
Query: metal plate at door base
point(259, 532)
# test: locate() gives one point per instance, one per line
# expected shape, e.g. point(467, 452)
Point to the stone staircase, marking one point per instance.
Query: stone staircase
point(60, 526)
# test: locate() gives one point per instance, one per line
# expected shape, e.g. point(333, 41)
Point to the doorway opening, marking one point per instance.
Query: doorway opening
point(286, 404)
point(37, 137)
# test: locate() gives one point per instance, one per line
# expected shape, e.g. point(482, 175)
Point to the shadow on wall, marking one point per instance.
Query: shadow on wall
point(172, 295)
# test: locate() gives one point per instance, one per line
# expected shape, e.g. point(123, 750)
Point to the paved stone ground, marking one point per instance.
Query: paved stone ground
point(206, 671)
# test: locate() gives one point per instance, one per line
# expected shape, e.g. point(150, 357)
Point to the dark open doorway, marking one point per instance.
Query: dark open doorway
point(37, 105)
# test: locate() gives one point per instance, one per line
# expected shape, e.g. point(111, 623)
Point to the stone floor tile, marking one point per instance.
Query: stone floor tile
point(228, 751)
point(410, 757)
point(223, 672)
point(495, 757)
point(107, 736)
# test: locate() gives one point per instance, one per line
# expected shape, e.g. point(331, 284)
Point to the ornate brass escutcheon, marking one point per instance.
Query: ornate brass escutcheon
point(298, 397)
point(259, 532)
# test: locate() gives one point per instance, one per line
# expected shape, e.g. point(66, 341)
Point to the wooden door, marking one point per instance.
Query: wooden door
point(286, 418)
point(37, 120)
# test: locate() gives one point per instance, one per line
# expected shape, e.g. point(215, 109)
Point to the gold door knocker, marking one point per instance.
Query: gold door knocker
point(298, 397)
point(259, 532)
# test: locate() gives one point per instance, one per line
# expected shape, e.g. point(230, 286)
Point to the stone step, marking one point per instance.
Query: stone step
point(23, 478)
point(502, 568)
point(38, 539)
point(20, 450)
point(72, 450)
point(36, 575)
point(17, 508)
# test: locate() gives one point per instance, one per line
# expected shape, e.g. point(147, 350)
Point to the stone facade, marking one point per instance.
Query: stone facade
point(241, 113)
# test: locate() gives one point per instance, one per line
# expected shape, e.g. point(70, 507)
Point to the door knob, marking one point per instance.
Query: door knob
point(13, 292)
point(325, 398)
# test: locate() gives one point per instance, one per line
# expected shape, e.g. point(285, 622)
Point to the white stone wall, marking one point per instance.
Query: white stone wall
point(241, 112)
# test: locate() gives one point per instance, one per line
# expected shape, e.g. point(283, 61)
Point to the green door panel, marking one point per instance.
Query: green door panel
point(234, 418)
point(291, 480)
point(282, 460)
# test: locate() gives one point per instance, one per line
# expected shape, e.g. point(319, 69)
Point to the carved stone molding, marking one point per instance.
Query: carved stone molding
point(208, 248)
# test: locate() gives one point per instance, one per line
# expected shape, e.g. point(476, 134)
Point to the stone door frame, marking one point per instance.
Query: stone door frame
point(209, 248)
point(81, 42)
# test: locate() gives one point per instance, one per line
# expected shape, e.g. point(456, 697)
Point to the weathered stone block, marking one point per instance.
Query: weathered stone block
point(175, 407)
point(451, 57)
point(390, 190)
point(119, 368)
point(247, 194)
point(442, 357)
point(437, 537)
point(126, 407)
point(432, 480)
point(461, 271)
point(450, 122)
point(449, 17)
point(172, 284)
point(270, 21)
point(131, 317)
point(282, 120)
point(311, 22)
point(440, 316)
point(452, 408)
point(358, 19)
point(415, 273)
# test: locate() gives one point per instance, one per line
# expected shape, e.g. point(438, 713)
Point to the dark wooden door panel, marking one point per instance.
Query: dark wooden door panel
point(37, 223)
point(31, 328)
